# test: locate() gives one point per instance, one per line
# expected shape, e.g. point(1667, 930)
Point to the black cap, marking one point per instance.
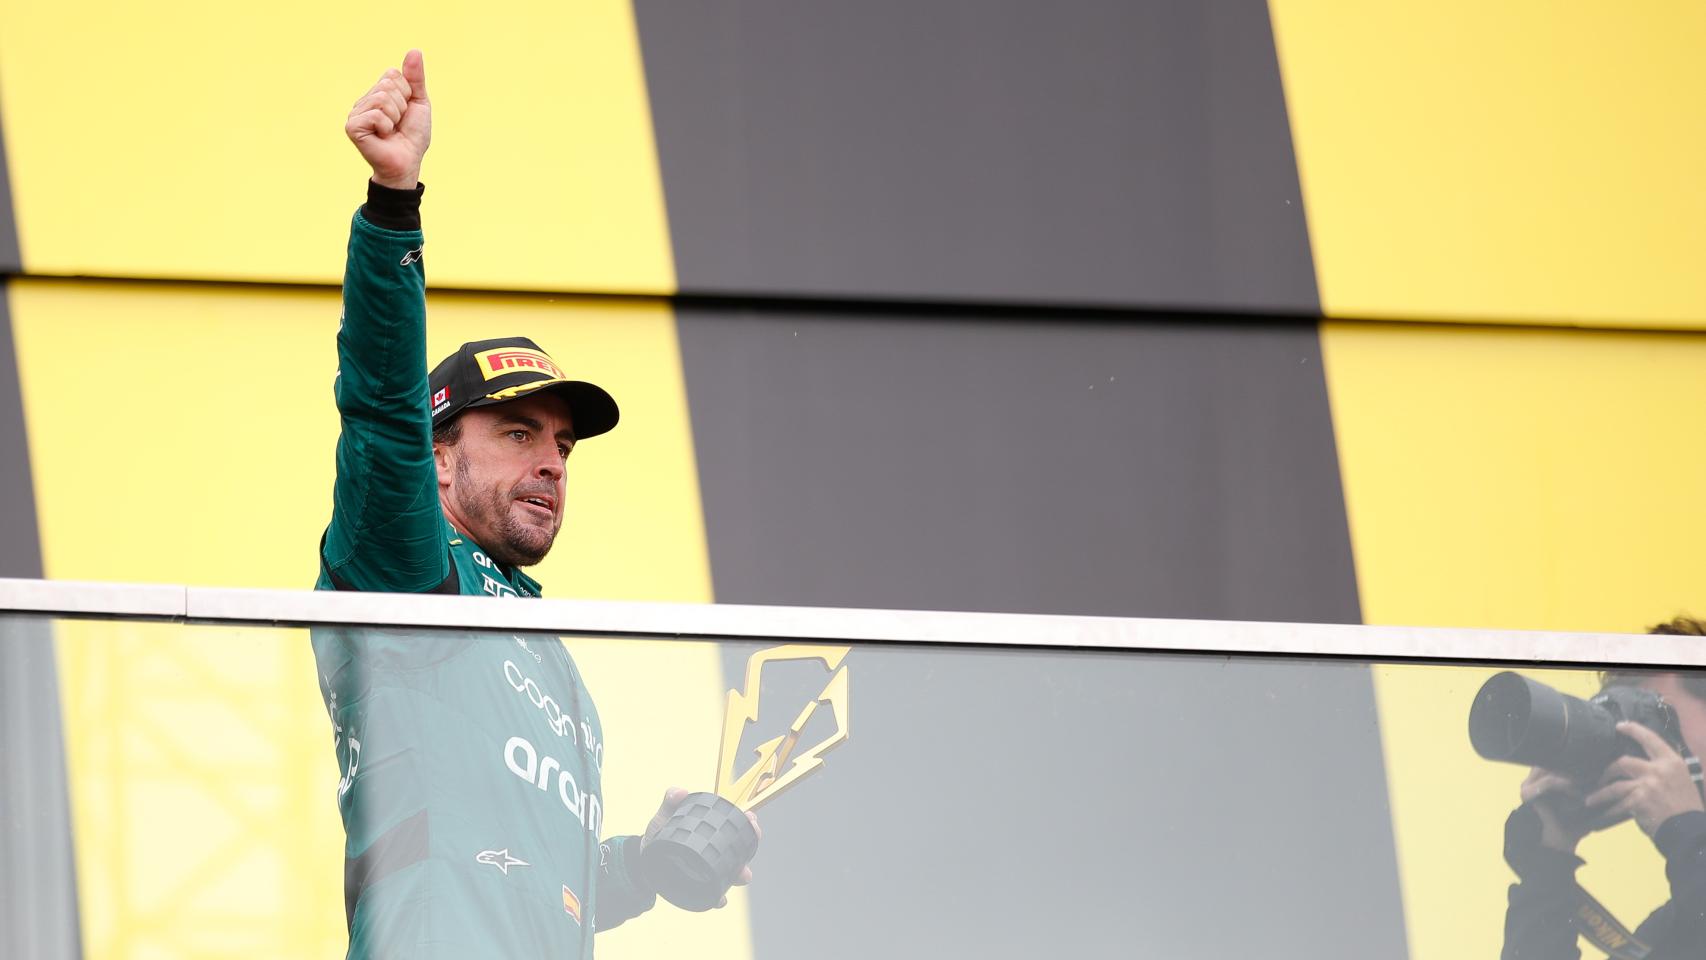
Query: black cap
point(496, 371)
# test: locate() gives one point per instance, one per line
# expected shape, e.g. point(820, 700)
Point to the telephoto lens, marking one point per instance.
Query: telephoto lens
point(1518, 720)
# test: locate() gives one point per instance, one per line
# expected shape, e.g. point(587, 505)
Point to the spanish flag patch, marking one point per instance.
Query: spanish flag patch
point(571, 903)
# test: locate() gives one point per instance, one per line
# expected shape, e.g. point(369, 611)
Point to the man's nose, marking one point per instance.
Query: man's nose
point(549, 467)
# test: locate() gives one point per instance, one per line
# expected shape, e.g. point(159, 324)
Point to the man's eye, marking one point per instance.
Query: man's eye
point(563, 451)
point(518, 434)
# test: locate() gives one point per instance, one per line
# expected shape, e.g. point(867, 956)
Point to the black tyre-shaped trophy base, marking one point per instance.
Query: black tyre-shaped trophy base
point(694, 859)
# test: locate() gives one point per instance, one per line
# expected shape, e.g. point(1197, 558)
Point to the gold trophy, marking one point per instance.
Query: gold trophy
point(694, 858)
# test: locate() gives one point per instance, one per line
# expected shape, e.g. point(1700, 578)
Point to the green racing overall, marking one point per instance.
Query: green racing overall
point(470, 789)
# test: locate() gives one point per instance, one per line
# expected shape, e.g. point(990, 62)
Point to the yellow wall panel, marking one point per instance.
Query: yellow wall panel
point(205, 140)
point(202, 792)
point(1512, 478)
point(1531, 160)
point(662, 707)
point(202, 454)
point(207, 459)
point(1523, 478)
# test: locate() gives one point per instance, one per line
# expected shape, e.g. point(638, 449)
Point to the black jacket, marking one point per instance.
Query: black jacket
point(1538, 921)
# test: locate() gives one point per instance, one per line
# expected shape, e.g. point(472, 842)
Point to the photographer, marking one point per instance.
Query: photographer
point(1659, 791)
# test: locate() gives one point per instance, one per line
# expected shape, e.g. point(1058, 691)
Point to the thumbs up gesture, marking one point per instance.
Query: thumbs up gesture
point(391, 125)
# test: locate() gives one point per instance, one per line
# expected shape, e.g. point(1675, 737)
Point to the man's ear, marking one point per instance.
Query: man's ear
point(443, 455)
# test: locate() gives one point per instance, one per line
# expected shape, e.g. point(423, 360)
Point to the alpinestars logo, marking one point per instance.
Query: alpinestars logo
point(413, 256)
point(500, 859)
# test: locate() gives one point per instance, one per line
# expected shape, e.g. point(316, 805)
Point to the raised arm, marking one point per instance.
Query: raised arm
point(386, 524)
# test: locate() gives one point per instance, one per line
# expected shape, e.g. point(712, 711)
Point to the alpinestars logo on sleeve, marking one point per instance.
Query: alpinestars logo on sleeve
point(500, 859)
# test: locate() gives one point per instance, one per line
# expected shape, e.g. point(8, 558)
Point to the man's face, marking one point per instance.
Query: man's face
point(501, 483)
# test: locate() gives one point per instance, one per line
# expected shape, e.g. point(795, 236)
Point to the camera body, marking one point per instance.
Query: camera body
point(1518, 720)
point(1646, 708)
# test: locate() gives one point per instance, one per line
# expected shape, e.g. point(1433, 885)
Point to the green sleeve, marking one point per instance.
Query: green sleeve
point(622, 895)
point(386, 529)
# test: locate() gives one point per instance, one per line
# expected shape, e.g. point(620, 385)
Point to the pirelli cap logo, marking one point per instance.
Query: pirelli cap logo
point(496, 363)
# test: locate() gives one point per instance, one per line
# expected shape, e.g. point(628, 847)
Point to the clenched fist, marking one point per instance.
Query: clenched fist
point(392, 124)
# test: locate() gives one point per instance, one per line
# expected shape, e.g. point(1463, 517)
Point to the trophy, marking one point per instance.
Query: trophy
point(694, 858)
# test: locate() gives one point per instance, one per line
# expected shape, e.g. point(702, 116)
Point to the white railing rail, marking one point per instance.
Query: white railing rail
point(732, 621)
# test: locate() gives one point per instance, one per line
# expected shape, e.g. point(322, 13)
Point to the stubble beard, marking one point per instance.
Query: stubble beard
point(516, 543)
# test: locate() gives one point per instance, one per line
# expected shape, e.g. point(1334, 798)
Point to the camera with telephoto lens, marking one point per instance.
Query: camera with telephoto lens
point(1518, 720)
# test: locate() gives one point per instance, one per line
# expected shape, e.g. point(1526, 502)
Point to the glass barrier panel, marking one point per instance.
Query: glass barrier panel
point(219, 790)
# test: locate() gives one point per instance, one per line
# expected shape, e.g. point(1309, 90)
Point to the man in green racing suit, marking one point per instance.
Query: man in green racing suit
point(471, 793)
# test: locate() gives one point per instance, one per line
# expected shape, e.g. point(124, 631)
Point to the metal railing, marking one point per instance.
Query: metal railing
point(1346, 773)
point(735, 621)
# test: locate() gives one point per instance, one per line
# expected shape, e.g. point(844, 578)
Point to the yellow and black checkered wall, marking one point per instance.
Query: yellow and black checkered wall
point(1274, 311)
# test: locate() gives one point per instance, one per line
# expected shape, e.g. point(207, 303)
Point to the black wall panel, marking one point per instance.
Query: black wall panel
point(1087, 151)
point(11, 259)
point(22, 554)
point(1010, 802)
point(1021, 804)
point(1158, 468)
point(38, 914)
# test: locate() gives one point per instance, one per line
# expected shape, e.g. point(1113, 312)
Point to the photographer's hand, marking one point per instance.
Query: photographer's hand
point(1540, 790)
point(1652, 790)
